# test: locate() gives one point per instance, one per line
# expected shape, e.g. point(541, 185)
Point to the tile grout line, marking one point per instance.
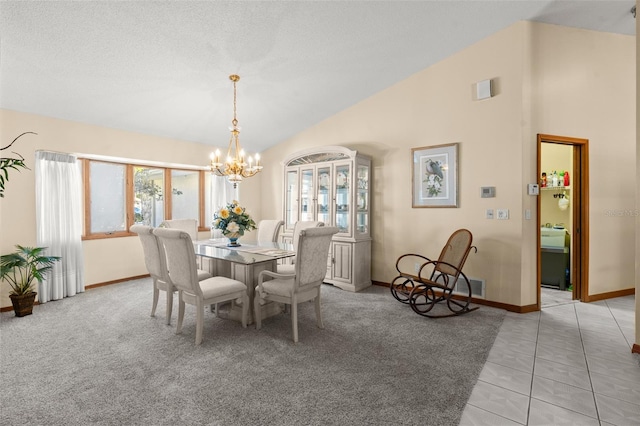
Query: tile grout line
point(624, 336)
point(586, 360)
point(533, 370)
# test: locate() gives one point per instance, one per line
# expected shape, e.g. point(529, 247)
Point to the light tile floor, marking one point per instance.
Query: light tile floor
point(569, 364)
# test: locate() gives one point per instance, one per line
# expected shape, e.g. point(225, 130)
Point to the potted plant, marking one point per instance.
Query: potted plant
point(8, 163)
point(20, 269)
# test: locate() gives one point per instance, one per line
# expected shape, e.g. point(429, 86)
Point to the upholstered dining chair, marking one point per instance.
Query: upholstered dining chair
point(269, 229)
point(190, 226)
point(288, 268)
point(181, 262)
point(304, 284)
point(156, 262)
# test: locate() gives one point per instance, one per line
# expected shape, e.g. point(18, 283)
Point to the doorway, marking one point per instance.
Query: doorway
point(562, 219)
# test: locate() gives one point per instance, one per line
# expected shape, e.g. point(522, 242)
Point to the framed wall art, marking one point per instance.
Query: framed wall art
point(435, 176)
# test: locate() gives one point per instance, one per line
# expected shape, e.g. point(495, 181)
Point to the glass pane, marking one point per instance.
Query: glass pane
point(324, 196)
point(362, 199)
point(292, 199)
point(208, 213)
point(107, 197)
point(185, 195)
point(148, 206)
point(342, 198)
point(318, 158)
point(306, 196)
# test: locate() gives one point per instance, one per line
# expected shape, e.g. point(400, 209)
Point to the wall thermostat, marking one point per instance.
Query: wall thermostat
point(533, 189)
point(488, 192)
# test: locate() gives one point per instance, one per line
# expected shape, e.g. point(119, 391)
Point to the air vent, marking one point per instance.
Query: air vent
point(477, 287)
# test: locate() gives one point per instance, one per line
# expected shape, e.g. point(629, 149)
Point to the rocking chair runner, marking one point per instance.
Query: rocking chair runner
point(436, 279)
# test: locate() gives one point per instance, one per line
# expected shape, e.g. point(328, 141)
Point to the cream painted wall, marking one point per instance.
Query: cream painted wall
point(584, 86)
point(548, 80)
point(637, 157)
point(108, 259)
point(434, 107)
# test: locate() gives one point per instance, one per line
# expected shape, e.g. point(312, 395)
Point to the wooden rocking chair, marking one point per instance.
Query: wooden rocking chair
point(435, 281)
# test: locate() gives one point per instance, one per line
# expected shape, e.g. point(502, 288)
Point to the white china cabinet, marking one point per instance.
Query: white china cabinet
point(332, 184)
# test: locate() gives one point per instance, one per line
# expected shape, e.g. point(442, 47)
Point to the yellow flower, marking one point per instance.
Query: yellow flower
point(235, 202)
point(224, 213)
point(237, 210)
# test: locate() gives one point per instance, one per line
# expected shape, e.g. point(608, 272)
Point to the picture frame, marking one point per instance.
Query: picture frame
point(435, 176)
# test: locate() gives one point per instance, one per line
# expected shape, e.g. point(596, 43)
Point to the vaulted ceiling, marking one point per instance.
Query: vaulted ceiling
point(162, 68)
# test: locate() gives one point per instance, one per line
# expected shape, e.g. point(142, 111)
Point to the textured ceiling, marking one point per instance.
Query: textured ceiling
point(162, 68)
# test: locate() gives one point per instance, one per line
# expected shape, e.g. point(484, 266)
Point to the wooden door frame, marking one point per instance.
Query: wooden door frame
point(580, 212)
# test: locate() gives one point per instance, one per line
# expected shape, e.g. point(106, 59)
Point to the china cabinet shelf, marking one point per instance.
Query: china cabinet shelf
point(331, 184)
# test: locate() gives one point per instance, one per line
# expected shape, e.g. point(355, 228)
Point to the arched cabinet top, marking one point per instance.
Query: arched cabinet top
point(319, 155)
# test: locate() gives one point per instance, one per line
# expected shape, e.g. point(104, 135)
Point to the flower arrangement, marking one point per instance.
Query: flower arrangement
point(233, 220)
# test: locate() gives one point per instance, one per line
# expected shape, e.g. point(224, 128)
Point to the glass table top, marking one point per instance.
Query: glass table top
point(247, 253)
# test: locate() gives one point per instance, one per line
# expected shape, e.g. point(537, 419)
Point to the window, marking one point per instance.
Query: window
point(105, 202)
point(185, 194)
point(148, 199)
point(118, 195)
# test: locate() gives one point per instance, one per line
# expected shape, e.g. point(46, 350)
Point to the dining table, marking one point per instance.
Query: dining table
point(243, 263)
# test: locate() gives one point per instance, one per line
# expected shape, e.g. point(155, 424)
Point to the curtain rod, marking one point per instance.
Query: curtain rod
point(123, 160)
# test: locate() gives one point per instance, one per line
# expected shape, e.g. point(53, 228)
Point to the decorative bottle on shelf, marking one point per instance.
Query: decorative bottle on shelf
point(566, 179)
point(561, 178)
point(554, 179)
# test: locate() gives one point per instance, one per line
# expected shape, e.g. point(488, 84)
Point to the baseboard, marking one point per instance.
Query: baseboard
point(89, 287)
point(610, 295)
point(499, 305)
point(121, 280)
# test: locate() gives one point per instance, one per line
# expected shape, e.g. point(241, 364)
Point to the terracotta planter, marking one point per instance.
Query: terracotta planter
point(23, 303)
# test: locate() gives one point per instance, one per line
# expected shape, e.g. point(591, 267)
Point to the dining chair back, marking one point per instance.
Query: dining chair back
point(269, 229)
point(301, 225)
point(155, 261)
point(304, 284)
point(190, 226)
point(181, 263)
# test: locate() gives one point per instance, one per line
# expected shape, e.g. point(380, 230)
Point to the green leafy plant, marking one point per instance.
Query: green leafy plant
point(25, 265)
point(9, 163)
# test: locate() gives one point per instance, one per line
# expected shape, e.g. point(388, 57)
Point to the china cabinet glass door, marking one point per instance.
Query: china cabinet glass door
point(324, 195)
point(291, 214)
point(306, 194)
point(362, 198)
point(342, 181)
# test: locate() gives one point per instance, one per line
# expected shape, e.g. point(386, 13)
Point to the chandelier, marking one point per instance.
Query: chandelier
point(236, 165)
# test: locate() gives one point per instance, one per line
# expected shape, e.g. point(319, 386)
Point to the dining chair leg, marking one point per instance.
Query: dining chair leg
point(169, 306)
point(180, 313)
point(245, 309)
point(318, 312)
point(199, 320)
point(256, 311)
point(294, 319)
point(156, 294)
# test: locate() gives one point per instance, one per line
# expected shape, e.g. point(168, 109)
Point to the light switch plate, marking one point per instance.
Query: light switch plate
point(489, 213)
point(502, 214)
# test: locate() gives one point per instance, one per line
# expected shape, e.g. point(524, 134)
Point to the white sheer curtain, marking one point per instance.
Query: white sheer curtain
point(59, 223)
point(222, 193)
